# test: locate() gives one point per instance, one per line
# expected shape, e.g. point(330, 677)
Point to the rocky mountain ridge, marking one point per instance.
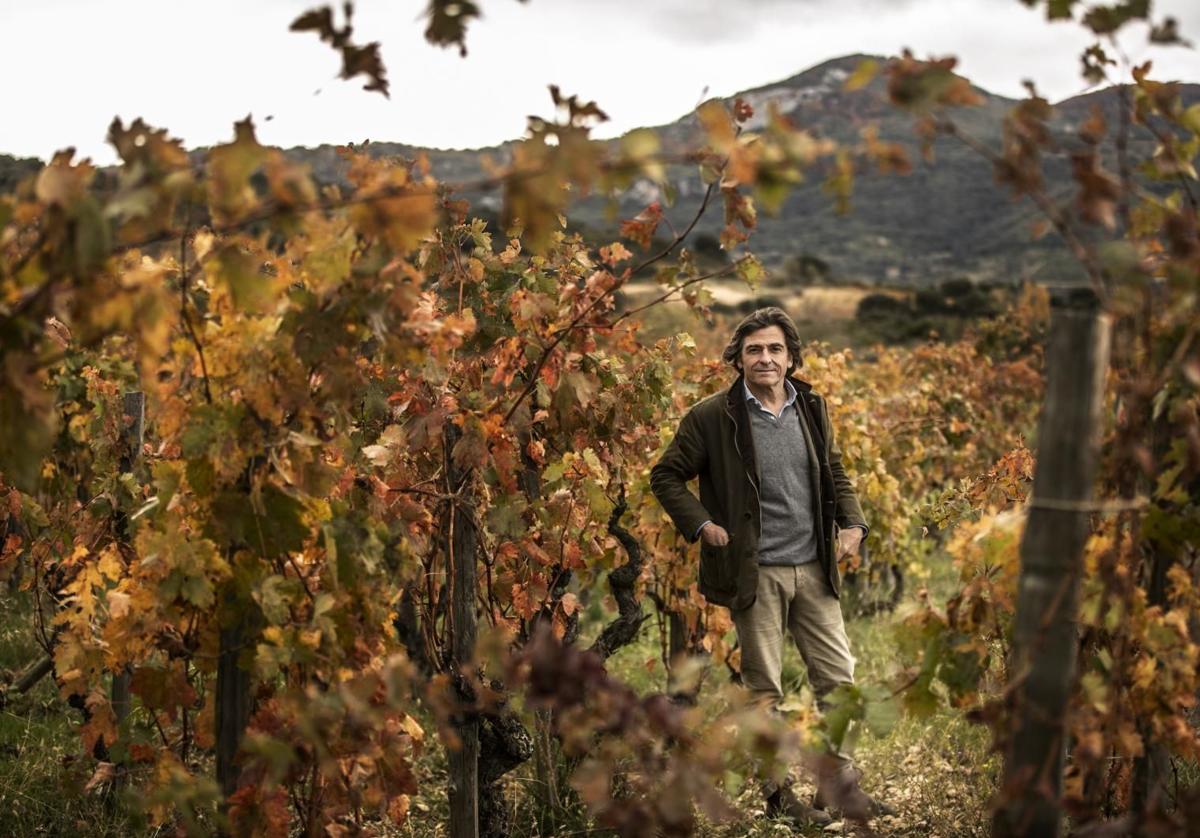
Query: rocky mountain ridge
point(947, 219)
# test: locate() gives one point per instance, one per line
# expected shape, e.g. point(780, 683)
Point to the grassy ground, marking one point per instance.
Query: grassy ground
point(936, 772)
point(42, 766)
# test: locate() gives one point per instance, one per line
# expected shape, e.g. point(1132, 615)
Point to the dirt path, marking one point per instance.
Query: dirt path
point(815, 303)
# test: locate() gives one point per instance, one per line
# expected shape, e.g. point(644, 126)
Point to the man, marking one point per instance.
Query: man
point(775, 513)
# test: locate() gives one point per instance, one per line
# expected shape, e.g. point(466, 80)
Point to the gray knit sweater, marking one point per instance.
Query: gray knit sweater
point(785, 492)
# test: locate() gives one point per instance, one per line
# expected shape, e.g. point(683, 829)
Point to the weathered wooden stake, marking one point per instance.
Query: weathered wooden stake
point(1045, 632)
point(135, 424)
point(678, 653)
point(233, 705)
point(464, 760)
point(546, 754)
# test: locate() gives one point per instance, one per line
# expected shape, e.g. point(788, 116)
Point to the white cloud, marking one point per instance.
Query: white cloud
point(196, 67)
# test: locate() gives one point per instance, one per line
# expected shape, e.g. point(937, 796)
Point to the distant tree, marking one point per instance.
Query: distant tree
point(805, 269)
point(955, 297)
point(14, 169)
point(875, 306)
point(708, 245)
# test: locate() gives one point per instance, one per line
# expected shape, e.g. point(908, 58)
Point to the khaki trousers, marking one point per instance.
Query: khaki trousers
point(798, 600)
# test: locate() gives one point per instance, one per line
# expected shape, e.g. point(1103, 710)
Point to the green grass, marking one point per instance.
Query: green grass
point(937, 772)
point(42, 767)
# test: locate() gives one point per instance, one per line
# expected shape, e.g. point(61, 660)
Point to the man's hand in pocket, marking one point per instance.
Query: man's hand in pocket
point(848, 541)
point(714, 535)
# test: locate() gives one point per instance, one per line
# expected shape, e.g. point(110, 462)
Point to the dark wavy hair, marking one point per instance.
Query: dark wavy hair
point(761, 319)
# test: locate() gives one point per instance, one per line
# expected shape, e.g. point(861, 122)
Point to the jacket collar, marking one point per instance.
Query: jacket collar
point(735, 407)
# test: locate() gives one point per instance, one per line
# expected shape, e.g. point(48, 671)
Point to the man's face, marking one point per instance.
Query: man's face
point(765, 359)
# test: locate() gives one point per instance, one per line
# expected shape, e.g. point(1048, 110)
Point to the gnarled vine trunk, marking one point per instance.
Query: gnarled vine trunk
point(464, 760)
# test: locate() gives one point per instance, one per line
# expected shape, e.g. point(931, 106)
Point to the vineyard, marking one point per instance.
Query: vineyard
point(328, 506)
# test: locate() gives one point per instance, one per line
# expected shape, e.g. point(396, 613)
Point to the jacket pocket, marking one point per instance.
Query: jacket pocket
point(717, 569)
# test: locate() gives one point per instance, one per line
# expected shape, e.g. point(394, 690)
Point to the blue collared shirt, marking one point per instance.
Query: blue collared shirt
point(753, 399)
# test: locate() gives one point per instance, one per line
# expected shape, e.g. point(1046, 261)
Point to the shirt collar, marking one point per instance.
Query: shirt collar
point(753, 399)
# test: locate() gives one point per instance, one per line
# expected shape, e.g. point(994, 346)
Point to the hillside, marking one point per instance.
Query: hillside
point(946, 219)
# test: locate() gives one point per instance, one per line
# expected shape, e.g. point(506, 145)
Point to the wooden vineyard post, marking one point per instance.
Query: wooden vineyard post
point(233, 705)
point(234, 699)
point(678, 653)
point(1045, 636)
point(464, 760)
point(134, 409)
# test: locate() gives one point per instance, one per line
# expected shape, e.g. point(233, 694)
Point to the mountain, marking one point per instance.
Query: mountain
point(946, 219)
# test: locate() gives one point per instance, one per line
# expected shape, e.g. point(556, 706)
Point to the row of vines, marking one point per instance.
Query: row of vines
point(284, 462)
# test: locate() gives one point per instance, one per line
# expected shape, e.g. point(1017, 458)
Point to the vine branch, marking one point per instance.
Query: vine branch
point(675, 289)
point(570, 327)
point(189, 327)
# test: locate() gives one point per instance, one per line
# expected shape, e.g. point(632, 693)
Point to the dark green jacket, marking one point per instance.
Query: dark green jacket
point(714, 443)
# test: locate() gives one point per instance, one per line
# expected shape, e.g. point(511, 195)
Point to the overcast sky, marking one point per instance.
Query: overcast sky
point(196, 66)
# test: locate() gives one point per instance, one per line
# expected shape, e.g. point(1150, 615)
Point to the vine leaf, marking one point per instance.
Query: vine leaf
point(356, 60)
point(448, 21)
